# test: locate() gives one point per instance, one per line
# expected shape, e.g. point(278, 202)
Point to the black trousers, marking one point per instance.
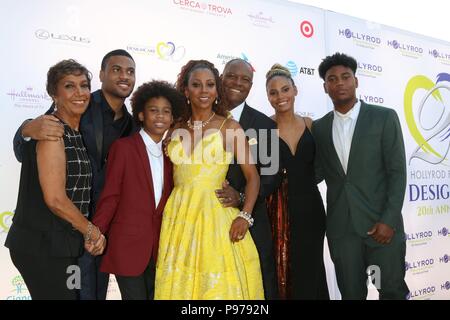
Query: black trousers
point(94, 284)
point(141, 287)
point(262, 236)
point(45, 277)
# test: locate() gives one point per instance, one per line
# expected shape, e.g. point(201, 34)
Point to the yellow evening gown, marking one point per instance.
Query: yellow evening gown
point(196, 258)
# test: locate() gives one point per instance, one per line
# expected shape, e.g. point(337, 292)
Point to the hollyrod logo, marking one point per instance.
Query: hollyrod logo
point(419, 238)
point(29, 98)
point(445, 286)
point(419, 266)
point(443, 57)
point(204, 7)
point(369, 70)
point(432, 134)
point(360, 39)
point(407, 50)
point(444, 232)
point(371, 99)
point(444, 259)
point(424, 293)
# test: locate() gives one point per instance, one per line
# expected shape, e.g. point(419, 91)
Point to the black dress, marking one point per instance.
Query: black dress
point(306, 277)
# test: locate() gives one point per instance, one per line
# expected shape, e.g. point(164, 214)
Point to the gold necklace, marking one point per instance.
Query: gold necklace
point(199, 124)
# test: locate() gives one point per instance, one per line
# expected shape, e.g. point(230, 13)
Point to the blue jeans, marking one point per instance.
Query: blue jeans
point(94, 284)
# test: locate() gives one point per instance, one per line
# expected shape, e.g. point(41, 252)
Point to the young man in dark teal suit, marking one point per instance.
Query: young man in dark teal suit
point(361, 156)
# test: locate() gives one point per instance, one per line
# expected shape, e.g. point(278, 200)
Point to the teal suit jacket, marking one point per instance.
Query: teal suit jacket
point(374, 187)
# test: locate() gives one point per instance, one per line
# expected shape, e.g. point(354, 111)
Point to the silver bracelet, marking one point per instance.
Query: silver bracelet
point(87, 236)
point(247, 216)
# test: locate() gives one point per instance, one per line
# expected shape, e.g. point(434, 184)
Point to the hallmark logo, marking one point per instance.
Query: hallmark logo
point(28, 98)
point(260, 20)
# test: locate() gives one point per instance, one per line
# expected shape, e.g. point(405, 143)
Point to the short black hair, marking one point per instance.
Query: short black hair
point(117, 52)
point(62, 69)
point(156, 89)
point(337, 59)
point(236, 60)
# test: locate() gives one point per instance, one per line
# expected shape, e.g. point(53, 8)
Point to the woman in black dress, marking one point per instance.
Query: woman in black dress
point(298, 224)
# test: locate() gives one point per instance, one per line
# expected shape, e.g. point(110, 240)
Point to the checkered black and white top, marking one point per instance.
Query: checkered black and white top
point(79, 171)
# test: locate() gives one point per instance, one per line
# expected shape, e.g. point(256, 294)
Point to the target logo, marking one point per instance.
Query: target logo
point(307, 29)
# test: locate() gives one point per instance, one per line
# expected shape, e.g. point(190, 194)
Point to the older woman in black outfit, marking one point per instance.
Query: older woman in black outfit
point(46, 236)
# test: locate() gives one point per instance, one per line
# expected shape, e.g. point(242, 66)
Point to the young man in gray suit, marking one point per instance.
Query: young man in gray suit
point(361, 156)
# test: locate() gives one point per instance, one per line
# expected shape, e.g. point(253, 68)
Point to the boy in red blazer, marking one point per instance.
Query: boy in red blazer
point(138, 183)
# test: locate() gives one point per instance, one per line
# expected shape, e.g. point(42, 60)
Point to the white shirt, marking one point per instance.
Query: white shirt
point(343, 128)
point(156, 159)
point(237, 112)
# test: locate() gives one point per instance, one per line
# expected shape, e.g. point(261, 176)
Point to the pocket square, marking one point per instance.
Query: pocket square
point(252, 141)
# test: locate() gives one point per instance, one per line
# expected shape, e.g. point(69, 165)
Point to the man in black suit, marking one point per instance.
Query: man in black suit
point(237, 79)
point(105, 120)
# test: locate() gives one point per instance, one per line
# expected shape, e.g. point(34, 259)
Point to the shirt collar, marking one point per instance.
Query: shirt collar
point(237, 112)
point(351, 114)
point(148, 141)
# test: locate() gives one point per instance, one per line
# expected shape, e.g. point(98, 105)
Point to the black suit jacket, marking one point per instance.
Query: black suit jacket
point(265, 137)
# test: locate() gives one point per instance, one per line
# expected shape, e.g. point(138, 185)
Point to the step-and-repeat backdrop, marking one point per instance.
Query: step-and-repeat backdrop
point(404, 71)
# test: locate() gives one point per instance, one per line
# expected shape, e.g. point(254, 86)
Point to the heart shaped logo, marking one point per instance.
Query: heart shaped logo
point(165, 49)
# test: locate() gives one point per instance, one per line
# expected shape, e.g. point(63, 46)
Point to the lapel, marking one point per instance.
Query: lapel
point(167, 187)
point(246, 119)
point(359, 127)
point(97, 123)
point(330, 143)
point(143, 157)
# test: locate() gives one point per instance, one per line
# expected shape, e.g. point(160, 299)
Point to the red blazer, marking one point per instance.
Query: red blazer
point(126, 211)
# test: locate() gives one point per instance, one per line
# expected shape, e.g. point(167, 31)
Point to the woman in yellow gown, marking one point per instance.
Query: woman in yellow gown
point(205, 251)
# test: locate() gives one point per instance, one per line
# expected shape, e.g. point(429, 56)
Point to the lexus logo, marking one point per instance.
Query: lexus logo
point(44, 35)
